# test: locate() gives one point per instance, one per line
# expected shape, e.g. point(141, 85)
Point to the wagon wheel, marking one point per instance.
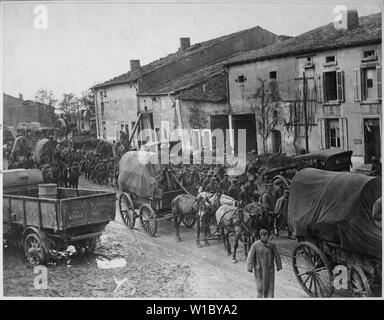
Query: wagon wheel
point(148, 219)
point(189, 220)
point(359, 283)
point(312, 270)
point(34, 250)
point(127, 210)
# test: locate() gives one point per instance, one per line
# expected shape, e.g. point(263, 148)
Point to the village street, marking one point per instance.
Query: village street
point(157, 267)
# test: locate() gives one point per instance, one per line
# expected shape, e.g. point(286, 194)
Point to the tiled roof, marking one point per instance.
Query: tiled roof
point(326, 37)
point(214, 89)
point(132, 76)
point(186, 81)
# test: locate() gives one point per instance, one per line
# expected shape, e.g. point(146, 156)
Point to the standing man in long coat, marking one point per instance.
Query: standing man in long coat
point(261, 260)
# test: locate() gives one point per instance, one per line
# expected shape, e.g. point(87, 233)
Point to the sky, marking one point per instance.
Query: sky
point(87, 42)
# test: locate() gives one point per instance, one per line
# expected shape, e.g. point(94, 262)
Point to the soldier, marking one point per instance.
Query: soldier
point(253, 186)
point(212, 187)
point(246, 195)
point(281, 211)
point(253, 164)
point(224, 184)
point(207, 180)
point(234, 191)
point(278, 190)
point(267, 198)
point(376, 167)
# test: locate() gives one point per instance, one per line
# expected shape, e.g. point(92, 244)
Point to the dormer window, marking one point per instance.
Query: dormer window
point(241, 79)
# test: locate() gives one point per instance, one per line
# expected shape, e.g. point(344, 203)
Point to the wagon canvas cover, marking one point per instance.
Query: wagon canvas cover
point(336, 207)
point(137, 174)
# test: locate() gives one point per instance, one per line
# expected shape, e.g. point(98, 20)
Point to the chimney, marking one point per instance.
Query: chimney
point(21, 96)
point(352, 19)
point(135, 65)
point(185, 43)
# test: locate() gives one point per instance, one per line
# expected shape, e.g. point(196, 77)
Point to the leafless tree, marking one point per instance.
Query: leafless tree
point(265, 103)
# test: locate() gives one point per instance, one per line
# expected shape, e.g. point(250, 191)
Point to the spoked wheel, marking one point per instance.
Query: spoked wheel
point(148, 219)
point(359, 283)
point(312, 270)
point(189, 220)
point(34, 250)
point(127, 211)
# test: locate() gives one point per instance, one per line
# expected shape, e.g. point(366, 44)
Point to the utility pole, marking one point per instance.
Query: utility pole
point(305, 111)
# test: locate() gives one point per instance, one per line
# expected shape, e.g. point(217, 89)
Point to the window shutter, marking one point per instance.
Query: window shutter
point(378, 74)
point(319, 89)
point(321, 127)
point(340, 85)
point(324, 88)
point(357, 74)
point(344, 133)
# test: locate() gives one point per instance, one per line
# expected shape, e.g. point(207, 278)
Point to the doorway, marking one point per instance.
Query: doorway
point(219, 122)
point(372, 143)
point(247, 122)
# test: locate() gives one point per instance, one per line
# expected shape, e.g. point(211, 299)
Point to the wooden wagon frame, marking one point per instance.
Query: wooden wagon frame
point(350, 252)
point(137, 179)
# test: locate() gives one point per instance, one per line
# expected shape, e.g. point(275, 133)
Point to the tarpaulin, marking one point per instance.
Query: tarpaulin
point(137, 173)
point(43, 147)
point(336, 207)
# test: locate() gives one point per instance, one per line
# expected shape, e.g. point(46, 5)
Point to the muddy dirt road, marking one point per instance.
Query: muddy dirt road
point(156, 267)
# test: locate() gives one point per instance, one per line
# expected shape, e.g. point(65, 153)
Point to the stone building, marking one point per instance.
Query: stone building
point(18, 110)
point(342, 71)
point(117, 105)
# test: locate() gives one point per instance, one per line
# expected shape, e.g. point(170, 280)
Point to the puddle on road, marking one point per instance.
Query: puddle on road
point(111, 264)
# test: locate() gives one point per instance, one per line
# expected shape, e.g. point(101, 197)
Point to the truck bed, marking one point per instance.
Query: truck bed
point(72, 208)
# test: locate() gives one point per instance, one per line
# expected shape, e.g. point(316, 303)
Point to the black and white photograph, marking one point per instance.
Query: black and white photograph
point(191, 150)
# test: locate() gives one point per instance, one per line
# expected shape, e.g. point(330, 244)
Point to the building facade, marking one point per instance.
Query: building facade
point(118, 107)
point(17, 110)
point(326, 80)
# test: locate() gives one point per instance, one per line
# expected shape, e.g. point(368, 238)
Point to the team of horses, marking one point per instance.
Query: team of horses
point(224, 214)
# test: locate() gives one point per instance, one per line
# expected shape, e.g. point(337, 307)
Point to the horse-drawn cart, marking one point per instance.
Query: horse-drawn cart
point(46, 219)
point(330, 214)
point(138, 182)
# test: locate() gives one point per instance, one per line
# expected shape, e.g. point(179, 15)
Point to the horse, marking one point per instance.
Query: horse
point(208, 203)
point(240, 222)
point(70, 176)
point(263, 219)
point(182, 205)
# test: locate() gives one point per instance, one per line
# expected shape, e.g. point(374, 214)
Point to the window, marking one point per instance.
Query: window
point(330, 59)
point(369, 54)
point(332, 133)
point(333, 86)
point(273, 75)
point(330, 89)
point(241, 79)
point(102, 108)
point(126, 129)
point(367, 83)
point(101, 94)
